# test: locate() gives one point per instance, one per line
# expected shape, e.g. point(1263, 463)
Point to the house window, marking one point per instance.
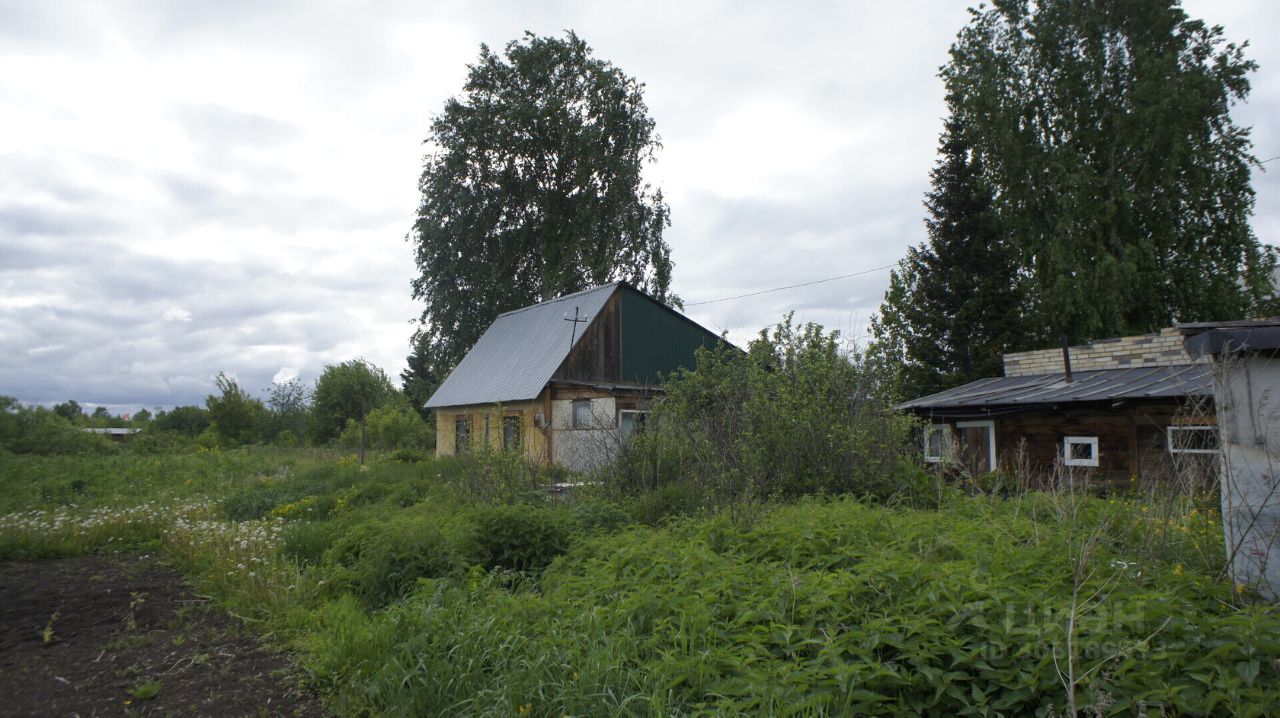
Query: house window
point(937, 442)
point(511, 433)
point(630, 422)
point(1080, 450)
point(461, 435)
point(1193, 440)
point(582, 414)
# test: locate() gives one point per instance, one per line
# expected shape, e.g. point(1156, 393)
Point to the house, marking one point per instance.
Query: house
point(114, 433)
point(566, 380)
point(1132, 408)
point(1247, 361)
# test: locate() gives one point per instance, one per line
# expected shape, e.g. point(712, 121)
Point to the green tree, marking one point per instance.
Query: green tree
point(69, 410)
point(349, 390)
point(1105, 134)
point(186, 420)
point(235, 417)
point(533, 188)
point(288, 404)
point(954, 303)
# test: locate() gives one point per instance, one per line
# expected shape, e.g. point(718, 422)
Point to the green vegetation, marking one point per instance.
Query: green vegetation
point(406, 591)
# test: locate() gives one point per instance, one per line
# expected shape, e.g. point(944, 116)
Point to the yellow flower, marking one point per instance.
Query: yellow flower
point(1177, 570)
point(1239, 588)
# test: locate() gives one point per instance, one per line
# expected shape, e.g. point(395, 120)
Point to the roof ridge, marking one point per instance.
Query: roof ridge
point(563, 297)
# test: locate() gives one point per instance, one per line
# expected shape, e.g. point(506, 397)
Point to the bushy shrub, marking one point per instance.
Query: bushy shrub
point(522, 537)
point(795, 415)
point(37, 430)
point(380, 561)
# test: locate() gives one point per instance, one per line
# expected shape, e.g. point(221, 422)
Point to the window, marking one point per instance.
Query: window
point(461, 435)
point(582, 413)
point(937, 442)
point(1080, 450)
point(630, 422)
point(1193, 440)
point(510, 433)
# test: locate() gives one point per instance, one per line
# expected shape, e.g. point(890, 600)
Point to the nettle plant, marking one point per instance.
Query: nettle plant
point(798, 413)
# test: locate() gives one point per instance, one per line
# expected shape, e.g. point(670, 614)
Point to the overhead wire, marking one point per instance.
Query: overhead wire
point(790, 286)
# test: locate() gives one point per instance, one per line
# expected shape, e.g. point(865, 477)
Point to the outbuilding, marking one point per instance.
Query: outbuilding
point(1129, 409)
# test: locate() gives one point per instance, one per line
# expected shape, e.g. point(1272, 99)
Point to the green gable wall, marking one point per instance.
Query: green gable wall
point(655, 340)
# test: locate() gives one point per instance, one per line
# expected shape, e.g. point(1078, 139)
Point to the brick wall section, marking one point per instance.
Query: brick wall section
point(1162, 349)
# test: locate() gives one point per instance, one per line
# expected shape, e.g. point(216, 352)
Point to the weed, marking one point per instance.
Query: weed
point(146, 690)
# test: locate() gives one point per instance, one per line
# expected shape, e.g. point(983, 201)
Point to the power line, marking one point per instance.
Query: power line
point(1277, 157)
point(791, 286)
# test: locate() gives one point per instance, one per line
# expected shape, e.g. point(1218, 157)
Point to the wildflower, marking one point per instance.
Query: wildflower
point(1177, 570)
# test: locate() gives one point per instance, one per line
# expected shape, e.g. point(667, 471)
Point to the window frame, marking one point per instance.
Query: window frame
point(637, 426)
point(573, 420)
point(461, 421)
point(990, 426)
point(1192, 427)
point(517, 421)
point(1090, 441)
point(944, 446)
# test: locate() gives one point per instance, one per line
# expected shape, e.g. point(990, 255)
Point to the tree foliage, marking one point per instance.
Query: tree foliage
point(533, 188)
point(186, 420)
point(234, 417)
point(288, 404)
point(954, 303)
point(349, 390)
point(797, 414)
point(1104, 131)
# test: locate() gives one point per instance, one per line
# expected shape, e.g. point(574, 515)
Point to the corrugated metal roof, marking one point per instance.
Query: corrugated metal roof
point(518, 353)
point(1098, 385)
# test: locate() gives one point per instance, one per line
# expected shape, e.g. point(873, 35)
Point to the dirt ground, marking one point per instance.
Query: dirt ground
point(111, 636)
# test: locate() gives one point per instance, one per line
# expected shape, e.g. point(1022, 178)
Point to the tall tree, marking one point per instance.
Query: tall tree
point(1104, 130)
point(953, 304)
point(349, 390)
point(533, 188)
point(235, 417)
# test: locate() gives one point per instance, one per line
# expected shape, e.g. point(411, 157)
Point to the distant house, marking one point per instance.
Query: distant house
point(1130, 408)
point(114, 433)
point(563, 391)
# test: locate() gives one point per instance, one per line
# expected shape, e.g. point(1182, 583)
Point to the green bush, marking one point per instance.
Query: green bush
point(522, 537)
point(796, 415)
point(379, 561)
point(306, 542)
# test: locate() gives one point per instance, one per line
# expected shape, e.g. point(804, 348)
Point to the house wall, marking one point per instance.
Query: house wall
point(1132, 441)
point(534, 444)
point(1161, 349)
point(1249, 412)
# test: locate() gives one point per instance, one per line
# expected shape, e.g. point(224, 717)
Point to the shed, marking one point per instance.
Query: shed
point(565, 381)
point(1130, 408)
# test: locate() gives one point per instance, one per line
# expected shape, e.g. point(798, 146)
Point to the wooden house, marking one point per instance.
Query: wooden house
point(1118, 410)
point(565, 381)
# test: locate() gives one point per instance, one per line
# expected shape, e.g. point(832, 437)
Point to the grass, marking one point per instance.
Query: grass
point(406, 592)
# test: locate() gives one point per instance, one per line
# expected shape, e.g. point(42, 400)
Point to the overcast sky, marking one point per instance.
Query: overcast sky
point(194, 187)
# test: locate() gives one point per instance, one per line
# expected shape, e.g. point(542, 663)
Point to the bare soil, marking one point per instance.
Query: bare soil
point(125, 635)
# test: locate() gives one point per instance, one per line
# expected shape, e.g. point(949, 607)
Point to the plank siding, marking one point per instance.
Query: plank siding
point(595, 356)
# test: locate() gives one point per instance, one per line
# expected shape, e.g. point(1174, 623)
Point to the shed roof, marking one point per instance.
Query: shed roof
point(1209, 338)
point(1100, 385)
point(517, 355)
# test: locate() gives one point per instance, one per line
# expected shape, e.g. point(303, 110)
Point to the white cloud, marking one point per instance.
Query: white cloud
point(285, 375)
point(177, 314)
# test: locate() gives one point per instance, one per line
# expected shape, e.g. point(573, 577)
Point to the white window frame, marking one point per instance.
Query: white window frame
point(1194, 427)
point(990, 426)
point(587, 421)
point(633, 424)
point(929, 430)
point(1090, 441)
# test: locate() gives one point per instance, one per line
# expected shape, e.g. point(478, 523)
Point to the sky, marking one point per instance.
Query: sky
point(188, 188)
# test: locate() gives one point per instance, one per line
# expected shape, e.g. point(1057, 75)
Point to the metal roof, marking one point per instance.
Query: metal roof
point(1099, 385)
point(518, 353)
point(1209, 338)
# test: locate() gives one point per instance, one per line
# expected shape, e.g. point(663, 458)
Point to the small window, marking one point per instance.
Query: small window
point(1193, 440)
point(582, 414)
point(1080, 451)
point(631, 422)
point(461, 435)
point(937, 442)
point(511, 433)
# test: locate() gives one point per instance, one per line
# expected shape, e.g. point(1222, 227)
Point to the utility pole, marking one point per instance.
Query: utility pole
point(573, 334)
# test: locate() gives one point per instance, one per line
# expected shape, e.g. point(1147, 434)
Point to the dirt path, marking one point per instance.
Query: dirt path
point(112, 636)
